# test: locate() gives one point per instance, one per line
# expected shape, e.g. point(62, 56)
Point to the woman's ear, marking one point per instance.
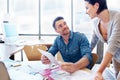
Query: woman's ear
point(96, 5)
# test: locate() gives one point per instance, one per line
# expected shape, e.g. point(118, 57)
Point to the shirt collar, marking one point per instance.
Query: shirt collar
point(71, 35)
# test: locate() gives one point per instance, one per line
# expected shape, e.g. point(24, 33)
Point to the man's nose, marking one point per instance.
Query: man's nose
point(64, 26)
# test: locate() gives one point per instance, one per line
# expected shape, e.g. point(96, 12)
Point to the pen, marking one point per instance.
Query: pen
point(16, 65)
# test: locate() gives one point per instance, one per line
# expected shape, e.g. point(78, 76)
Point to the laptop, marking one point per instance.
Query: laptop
point(3, 72)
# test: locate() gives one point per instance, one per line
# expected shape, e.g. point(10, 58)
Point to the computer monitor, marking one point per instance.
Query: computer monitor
point(10, 33)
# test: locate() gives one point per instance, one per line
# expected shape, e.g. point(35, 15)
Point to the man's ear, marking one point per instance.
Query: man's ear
point(56, 30)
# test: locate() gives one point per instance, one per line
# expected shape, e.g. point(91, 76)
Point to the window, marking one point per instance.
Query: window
point(3, 11)
point(113, 4)
point(25, 14)
point(35, 17)
point(82, 22)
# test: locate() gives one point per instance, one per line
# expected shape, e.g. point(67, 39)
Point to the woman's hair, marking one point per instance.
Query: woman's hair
point(102, 4)
point(56, 19)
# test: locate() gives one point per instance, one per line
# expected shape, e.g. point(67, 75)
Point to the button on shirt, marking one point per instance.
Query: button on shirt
point(77, 47)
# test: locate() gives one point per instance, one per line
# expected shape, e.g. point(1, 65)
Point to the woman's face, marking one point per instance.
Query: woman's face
point(91, 10)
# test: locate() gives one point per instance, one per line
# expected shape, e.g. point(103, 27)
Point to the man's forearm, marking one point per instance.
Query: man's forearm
point(82, 63)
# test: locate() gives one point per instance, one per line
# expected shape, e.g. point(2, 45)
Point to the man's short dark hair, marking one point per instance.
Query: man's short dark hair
point(102, 4)
point(55, 20)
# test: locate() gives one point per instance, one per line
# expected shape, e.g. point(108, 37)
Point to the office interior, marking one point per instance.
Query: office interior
point(33, 19)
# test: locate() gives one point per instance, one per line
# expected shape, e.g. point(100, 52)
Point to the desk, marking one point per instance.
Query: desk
point(7, 50)
point(108, 73)
point(29, 70)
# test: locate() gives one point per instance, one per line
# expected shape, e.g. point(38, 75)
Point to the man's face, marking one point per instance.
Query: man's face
point(61, 27)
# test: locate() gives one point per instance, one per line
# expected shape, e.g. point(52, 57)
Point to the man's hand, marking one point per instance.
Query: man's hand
point(69, 67)
point(45, 60)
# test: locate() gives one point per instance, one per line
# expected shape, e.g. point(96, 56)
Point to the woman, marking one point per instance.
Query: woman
point(107, 29)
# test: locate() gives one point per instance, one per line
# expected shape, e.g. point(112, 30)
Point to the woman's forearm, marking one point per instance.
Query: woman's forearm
point(106, 60)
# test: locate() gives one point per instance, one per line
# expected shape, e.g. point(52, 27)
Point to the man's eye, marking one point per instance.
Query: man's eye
point(86, 7)
point(64, 23)
point(60, 26)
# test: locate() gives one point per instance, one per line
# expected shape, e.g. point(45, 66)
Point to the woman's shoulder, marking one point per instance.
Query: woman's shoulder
point(114, 13)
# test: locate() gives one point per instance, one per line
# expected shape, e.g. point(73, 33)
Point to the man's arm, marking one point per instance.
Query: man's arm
point(82, 63)
point(72, 67)
point(86, 59)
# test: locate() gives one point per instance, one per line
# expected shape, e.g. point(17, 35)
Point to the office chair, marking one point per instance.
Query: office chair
point(95, 58)
point(3, 72)
point(59, 57)
point(32, 52)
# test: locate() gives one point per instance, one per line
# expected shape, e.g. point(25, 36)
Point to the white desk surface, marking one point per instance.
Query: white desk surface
point(108, 74)
point(27, 70)
point(7, 50)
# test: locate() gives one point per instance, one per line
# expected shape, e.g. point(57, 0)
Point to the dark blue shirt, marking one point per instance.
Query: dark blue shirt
point(77, 47)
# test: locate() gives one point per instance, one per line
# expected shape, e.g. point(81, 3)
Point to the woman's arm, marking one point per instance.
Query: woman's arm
point(106, 60)
point(94, 40)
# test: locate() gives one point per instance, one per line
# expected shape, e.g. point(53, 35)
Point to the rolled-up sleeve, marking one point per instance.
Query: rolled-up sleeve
point(85, 48)
point(54, 48)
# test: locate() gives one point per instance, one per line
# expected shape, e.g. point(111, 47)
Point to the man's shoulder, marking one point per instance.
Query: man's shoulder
point(79, 34)
point(58, 38)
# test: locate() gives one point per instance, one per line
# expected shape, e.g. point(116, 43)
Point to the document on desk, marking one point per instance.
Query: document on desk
point(25, 70)
point(49, 56)
point(78, 75)
point(82, 75)
point(19, 75)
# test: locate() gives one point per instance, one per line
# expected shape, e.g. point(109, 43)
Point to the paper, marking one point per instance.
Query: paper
point(49, 56)
point(80, 75)
point(19, 75)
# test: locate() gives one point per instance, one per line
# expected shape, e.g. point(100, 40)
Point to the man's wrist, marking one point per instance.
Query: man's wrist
point(76, 66)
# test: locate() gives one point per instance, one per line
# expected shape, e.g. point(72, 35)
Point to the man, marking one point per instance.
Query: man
point(73, 46)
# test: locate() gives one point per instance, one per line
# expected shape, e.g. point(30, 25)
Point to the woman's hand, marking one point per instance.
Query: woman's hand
point(45, 60)
point(98, 76)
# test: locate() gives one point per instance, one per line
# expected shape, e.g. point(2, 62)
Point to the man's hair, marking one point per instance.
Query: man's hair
point(55, 20)
point(102, 4)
